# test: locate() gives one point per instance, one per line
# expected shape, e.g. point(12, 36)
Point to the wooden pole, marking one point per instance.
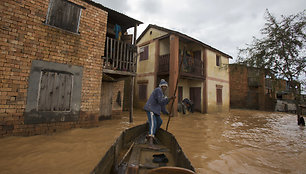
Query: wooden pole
point(132, 99)
point(133, 78)
point(176, 86)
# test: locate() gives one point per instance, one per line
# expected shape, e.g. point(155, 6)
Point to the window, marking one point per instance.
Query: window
point(144, 53)
point(55, 91)
point(218, 60)
point(219, 94)
point(142, 92)
point(64, 14)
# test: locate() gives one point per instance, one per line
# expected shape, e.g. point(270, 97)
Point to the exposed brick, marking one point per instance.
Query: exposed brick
point(24, 38)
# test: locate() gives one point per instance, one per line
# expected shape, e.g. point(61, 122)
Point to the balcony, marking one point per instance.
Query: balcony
point(191, 67)
point(119, 57)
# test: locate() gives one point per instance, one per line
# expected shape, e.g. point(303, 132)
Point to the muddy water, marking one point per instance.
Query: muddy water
point(241, 141)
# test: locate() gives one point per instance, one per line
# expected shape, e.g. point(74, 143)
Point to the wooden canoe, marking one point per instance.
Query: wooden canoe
point(132, 154)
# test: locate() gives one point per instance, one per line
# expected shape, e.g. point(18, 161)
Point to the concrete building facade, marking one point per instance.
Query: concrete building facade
point(204, 76)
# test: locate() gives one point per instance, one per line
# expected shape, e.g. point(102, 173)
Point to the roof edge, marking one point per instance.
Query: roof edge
point(98, 5)
point(181, 35)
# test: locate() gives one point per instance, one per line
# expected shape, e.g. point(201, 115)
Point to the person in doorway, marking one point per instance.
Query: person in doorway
point(155, 105)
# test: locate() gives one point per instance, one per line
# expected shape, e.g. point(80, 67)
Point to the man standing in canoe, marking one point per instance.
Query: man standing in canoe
point(156, 104)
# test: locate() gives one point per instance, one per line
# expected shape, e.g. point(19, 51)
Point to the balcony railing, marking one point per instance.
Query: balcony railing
point(119, 56)
point(191, 67)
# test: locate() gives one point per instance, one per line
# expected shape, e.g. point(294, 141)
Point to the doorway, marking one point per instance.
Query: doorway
point(195, 97)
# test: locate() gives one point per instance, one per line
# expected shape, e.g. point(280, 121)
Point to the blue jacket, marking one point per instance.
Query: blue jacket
point(157, 102)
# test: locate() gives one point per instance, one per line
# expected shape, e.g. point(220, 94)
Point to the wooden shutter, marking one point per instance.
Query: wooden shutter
point(144, 54)
point(219, 95)
point(64, 14)
point(55, 91)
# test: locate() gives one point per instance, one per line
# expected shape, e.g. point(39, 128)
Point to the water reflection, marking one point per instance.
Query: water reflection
point(241, 141)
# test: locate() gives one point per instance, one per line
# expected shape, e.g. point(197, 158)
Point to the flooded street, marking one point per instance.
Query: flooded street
point(241, 141)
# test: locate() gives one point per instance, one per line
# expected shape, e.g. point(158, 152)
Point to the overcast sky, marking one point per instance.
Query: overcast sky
point(223, 24)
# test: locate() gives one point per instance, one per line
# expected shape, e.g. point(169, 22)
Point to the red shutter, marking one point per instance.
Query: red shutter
point(142, 93)
point(219, 96)
point(144, 55)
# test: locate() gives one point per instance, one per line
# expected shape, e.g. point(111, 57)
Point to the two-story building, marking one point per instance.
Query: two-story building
point(55, 57)
point(204, 77)
point(254, 88)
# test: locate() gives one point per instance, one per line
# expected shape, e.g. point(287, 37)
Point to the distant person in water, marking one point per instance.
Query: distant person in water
point(189, 104)
point(154, 106)
point(300, 120)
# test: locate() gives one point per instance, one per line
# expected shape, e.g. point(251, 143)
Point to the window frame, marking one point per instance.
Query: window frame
point(144, 55)
point(49, 14)
point(218, 60)
point(144, 96)
point(219, 93)
point(32, 115)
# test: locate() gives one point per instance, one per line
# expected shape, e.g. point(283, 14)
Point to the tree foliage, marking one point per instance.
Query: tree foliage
point(281, 51)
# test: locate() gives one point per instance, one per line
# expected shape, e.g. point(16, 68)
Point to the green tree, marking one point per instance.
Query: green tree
point(281, 50)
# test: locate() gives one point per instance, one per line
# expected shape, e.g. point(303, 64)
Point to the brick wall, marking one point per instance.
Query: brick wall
point(238, 86)
point(24, 37)
point(244, 96)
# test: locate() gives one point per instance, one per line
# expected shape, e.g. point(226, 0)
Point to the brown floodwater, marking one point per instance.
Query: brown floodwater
point(241, 141)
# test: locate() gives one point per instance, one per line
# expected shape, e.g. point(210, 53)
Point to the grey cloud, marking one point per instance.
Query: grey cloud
point(222, 24)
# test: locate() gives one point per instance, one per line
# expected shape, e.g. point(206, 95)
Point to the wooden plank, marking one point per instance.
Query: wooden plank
point(106, 99)
point(133, 163)
point(107, 53)
point(126, 73)
point(55, 92)
point(49, 95)
point(121, 56)
point(131, 60)
point(132, 99)
point(170, 169)
point(126, 57)
point(67, 89)
point(61, 93)
point(134, 61)
point(111, 53)
point(43, 91)
point(117, 56)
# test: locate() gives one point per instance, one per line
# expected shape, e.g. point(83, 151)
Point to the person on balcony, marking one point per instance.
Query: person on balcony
point(155, 105)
